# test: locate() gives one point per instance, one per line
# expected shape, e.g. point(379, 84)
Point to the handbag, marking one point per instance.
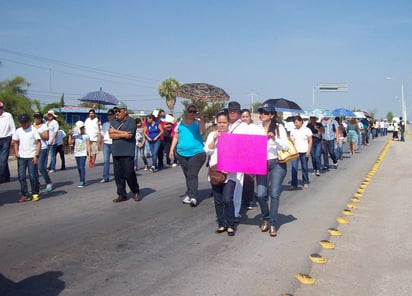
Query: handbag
point(216, 177)
point(289, 154)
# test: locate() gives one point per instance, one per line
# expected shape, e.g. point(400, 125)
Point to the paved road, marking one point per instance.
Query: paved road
point(77, 242)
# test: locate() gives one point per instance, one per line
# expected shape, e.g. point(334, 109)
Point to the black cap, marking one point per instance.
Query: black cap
point(23, 118)
point(233, 106)
point(38, 115)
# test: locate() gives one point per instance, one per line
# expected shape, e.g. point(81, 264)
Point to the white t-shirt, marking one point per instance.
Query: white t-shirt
point(27, 139)
point(92, 128)
point(53, 128)
point(7, 126)
point(80, 145)
point(300, 138)
point(41, 130)
point(105, 133)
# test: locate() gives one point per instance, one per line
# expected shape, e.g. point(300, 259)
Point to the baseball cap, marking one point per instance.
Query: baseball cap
point(23, 117)
point(38, 115)
point(267, 108)
point(79, 124)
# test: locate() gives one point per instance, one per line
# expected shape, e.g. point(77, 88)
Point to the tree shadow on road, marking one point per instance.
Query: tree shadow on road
point(45, 284)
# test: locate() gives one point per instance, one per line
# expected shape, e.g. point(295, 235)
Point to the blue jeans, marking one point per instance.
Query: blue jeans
point(4, 159)
point(154, 149)
point(295, 167)
point(24, 164)
point(339, 149)
point(191, 167)
point(42, 164)
point(107, 151)
point(52, 150)
point(270, 184)
point(329, 149)
point(225, 210)
point(315, 153)
point(81, 167)
point(138, 150)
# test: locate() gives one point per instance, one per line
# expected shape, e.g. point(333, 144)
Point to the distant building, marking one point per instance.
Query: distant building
point(71, 114)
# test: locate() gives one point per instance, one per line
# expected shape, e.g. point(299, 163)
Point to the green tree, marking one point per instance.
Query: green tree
point(13, 95)
point(389, 116)
point(62, 100)
point(167, 90)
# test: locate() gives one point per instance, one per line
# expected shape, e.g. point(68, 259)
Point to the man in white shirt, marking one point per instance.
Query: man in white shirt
point(7, 128)
point(53, 126)
point(27, 144)
point(107, 146)
point(93, 128)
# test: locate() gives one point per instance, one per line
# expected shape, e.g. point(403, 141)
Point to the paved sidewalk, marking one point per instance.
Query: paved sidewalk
point(373, 255)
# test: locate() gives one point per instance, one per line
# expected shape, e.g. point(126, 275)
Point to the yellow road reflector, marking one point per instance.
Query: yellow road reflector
point(367, 179)
point(305, 278)
point(347, 212)
point(365, 183)
point(363, 186)
point(352, 206)
point(327, 244)
point(361, 190)
point(357, 194)
point(334, 231)
point(342, 220)
point(355, 199)
point(316, 258)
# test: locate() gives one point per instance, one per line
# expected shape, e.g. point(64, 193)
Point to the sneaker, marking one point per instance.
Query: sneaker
point(35, 197)
point(49, 187)
point(81, 185)
point(24, 199)
point(119, 199)
point(317, 173)
point(152, 169)
point(193, 202)
point(186, 200)
point(137, 197)
point(174, 165)
point(51, 171)
point(104, 181)
point(145, 168)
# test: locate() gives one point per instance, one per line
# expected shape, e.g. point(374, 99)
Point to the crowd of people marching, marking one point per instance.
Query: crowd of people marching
point(159, 137)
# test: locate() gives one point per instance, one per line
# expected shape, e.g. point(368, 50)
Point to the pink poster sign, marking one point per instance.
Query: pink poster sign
point(242, 153)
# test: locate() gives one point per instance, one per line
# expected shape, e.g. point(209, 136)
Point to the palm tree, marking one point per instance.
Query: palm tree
point(167, 90)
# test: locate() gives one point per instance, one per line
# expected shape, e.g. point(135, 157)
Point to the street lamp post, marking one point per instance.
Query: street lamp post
point(402, 100)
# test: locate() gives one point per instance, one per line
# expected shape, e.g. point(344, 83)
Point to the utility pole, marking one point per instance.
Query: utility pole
point(252, 99)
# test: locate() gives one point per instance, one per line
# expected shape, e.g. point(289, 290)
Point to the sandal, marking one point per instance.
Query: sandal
point(265, 226)
point(272, 231)
point(220, 229)
point(230, 232)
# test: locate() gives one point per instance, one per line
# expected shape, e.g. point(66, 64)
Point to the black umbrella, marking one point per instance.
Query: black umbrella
point(284, 105)
point(100, 97)
point(202, 92)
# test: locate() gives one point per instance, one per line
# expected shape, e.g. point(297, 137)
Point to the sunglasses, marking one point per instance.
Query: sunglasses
point(192, 111)
point(119, 110)
point(264, 113)
point(110, 114)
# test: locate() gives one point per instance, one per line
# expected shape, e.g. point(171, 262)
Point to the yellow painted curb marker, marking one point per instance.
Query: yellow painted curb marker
point(347, 212)
point(357, 194)
point(305, 278)
point(361, 190)
point(334, 231)
point(327, 244)
point(342, 220)
point(316, 258)
point(352, 206)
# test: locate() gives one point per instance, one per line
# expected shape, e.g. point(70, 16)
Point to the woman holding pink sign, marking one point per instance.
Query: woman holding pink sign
point(222, 193)
point(271, 183)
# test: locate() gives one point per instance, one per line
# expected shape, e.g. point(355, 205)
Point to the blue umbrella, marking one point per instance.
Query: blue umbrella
point(343, 112)
point(314, 113)
point(100, 97)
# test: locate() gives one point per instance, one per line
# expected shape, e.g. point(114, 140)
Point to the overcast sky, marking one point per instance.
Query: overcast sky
point(268, 48)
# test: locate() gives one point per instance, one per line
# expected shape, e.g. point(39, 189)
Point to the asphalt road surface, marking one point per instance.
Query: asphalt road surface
point(76, 241)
